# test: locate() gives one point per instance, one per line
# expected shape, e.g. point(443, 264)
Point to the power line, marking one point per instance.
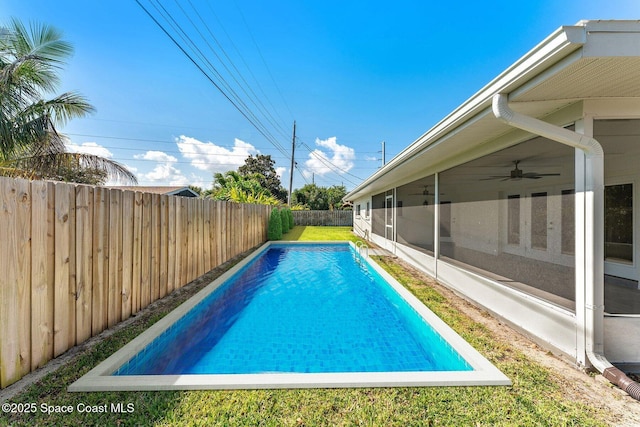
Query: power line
point(248, 28)
point(176, 32)
point(246, 88)
point(236, 102)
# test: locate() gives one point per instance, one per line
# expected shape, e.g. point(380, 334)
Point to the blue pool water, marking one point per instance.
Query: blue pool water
point(299, 308)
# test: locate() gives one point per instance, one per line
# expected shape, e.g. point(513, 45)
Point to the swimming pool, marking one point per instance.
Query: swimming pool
point(296, 315)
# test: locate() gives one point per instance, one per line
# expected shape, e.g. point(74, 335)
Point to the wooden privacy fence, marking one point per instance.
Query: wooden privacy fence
point(76, 259)
point(331, 218)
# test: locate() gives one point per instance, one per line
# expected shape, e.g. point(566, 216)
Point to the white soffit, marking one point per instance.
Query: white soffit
point(615, 77)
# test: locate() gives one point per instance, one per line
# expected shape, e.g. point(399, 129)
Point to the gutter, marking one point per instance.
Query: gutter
point(593, 243)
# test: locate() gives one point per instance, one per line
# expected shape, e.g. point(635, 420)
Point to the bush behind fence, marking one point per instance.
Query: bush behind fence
point(328, 218)
point(76, 259)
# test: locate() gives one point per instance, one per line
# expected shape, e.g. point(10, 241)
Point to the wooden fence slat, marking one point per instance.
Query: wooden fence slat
point(230, 231)
point(163, 245)
point(84, 261)
point(100, 259)
point(172, 260)
point(155, 247)
point(15, 281)
point(23, 254)
point(62, 296)
point(179, 245)
point(127, 252)
point(199, 269)
point(73, 291)
point(192, 224)
point(193, 238)
point(218, 231)
point(114, 294)
point(145, 260)
point(184, 241)
point(206, 246)
point(136, 273)
point(42, 274)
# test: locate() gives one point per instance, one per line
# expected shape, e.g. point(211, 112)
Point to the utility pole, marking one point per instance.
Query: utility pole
point(293, 162)
point(384, 160)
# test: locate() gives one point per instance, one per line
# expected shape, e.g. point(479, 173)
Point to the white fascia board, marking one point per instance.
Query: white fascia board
point(612, 38)
point(558, 45)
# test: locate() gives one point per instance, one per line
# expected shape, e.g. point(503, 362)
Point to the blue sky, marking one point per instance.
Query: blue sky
point(351, 74)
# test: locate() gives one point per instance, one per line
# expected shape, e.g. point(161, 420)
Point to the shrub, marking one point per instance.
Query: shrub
point(290, 215)
point(274, 231)
point(284, 219)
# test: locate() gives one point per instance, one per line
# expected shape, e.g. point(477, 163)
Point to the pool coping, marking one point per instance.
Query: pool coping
point(100, 378)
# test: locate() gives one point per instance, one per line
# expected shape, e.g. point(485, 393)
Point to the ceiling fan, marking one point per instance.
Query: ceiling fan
point(517, 174)
point(425, 192)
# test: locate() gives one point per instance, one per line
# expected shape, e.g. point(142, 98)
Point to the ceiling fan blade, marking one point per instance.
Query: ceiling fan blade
point(531, 175)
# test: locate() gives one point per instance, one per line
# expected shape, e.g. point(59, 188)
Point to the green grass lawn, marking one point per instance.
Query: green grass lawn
point(534, 399)
point(316, 233)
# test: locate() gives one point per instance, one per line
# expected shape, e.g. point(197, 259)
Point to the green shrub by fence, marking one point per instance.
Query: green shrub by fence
point(274, 232)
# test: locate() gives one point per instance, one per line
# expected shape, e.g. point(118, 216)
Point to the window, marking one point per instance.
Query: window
point(366, 211)
point(539, 220)
point(357, 210)
point(513, 219)
point(618, 223)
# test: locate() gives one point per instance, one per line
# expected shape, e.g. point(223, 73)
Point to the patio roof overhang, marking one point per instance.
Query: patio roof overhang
point(590, 60)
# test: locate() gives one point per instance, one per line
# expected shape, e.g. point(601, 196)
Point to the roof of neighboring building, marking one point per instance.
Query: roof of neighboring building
point(169, 190)
point(590, 60)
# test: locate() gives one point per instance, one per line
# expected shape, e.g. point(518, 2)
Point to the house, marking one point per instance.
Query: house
point(170, 191)
point(524, 199)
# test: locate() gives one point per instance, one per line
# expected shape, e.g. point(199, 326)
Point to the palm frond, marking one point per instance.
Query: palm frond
point(55, 165)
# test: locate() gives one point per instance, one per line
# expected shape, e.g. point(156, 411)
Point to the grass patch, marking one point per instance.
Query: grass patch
point(534, 398)
point(317, 233)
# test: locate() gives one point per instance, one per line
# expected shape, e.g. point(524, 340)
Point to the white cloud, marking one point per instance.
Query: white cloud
point(338, 160)
point(371, 158)
point(164, 172)
point(214, 158)
point(280, 171)
point(156, 156)
point(89, 148)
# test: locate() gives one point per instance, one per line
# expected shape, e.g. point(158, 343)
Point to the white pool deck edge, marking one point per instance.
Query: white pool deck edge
point(100, 378)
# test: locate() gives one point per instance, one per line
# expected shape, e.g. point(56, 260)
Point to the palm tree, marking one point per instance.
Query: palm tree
point(30, 145)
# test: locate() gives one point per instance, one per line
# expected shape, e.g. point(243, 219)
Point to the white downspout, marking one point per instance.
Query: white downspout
point(593, 240)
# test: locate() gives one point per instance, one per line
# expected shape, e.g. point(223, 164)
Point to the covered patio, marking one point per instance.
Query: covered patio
point(523, 198)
